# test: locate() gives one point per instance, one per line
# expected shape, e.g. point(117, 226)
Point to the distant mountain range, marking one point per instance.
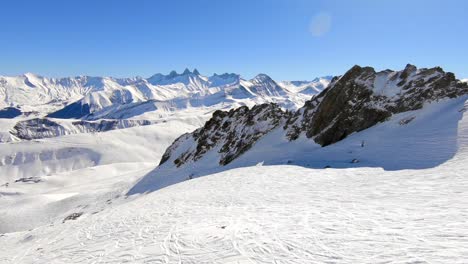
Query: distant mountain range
point(88, 97)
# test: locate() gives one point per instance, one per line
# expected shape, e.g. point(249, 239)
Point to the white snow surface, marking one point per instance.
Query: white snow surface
point(47, 179)
point(270, 214)
point(403, 202)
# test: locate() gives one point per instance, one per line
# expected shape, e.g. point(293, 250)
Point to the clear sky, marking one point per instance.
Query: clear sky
point(287, 39)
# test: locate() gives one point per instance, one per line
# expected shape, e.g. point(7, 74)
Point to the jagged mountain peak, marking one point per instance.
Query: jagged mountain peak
point(172, 74)
point(186, 71)
point(326, 77)
point(226, 75)
point(261, 78)
point(363, 97)
point(31, 75)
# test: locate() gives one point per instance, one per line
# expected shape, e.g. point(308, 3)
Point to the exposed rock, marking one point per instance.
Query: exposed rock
point(73, 216)
point(359, 99)
point(406, 121)
point(37, 128)
point(230, 133)
point(29, 180)
point(362, 98)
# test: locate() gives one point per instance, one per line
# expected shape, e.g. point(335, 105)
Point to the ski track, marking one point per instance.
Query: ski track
point(277, 214)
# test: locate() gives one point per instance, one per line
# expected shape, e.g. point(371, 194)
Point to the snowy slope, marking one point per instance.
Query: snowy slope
point(268, 214)
point(45, 180)
point(413, 210)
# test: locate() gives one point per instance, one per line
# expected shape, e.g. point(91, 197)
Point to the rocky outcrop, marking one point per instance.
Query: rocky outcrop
point(229, 133)
point(45, 128)
point(362, 98)
point(359, 99)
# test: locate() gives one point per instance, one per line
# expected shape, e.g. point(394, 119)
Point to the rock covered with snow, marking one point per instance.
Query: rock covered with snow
point(359, 99)
point(38, 128)
point(228, 133)
point(363, 97)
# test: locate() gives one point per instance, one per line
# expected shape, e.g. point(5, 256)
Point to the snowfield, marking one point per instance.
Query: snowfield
point(264, 214)
point(45, 180)
point(270, 214)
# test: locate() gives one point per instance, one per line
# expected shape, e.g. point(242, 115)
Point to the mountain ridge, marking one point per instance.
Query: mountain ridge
point(353, 102)
point(75, 97)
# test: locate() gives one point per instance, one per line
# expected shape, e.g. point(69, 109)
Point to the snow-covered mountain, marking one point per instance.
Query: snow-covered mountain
point(307, 87)
point(361, 100)
point(77, 97)
point(142, 101)
point(169, 93)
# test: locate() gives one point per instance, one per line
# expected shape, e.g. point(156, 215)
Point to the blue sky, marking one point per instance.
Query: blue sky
point(287, 39)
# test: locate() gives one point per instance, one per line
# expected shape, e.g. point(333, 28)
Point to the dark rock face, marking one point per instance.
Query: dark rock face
point(359, 99)
point(34, 128)
point(73, 216)
point(45, 128)
point(106, 125)
point(10, 112)
point(29, 180)
point(231, 133)
point(339, 110)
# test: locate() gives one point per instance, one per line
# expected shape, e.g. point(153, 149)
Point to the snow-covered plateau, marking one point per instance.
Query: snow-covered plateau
point(367, 167)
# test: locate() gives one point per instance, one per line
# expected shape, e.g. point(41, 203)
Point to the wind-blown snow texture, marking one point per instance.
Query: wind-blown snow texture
point(282, 214)
point(47, 179)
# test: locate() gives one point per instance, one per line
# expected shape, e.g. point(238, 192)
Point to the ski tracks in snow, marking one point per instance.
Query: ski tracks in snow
point(279, 214)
